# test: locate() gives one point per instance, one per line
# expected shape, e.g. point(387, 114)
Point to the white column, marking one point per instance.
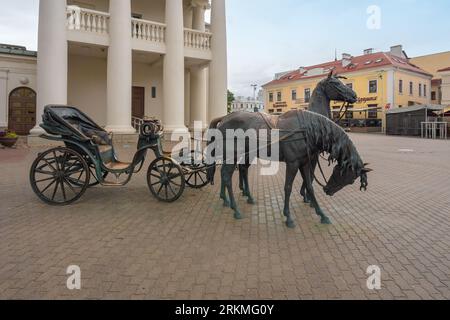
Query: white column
point(52, 57)
point(174, 68)
point(198, 76)
point(120, 61)
point(218, 79)
point(3, 99)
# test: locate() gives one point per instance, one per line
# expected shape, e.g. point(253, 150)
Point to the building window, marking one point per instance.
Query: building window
point(373, 112)
point(294, 95)
point(373, 86)
point(424, 90)
point(350, 85)
point(271, 97)
point(153, 92)
point(400, 86)
point(279, 96)
point(271, 110)
point(433, 95)
point(411, 88)
point(307, 95)
point(420, 89)
point(279, 110)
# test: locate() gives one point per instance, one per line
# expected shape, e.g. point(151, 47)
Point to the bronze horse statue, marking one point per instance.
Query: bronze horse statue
point(303, 134)
point(327, 90)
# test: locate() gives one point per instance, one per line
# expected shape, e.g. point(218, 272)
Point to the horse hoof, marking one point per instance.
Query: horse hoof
point(237, 216)
point(325, 221)
point(290, 224)
point(251, 201)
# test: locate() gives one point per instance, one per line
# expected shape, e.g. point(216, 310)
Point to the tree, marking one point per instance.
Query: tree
point(231, 99)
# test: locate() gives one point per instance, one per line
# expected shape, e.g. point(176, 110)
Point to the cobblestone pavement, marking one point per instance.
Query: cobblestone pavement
point(130, 246)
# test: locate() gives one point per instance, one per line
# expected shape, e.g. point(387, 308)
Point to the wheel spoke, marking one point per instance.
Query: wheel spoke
point(43, 180)
point(74, 181)
point(47, 187)
point(44, 172)
point(167, 193)
point(160, 189)
point(155, 176)
point(56, 161)
point(201, 178)
point(70, 186)
point(55, 190)
point(49, 165)
point(63, 190)
point(171, 189)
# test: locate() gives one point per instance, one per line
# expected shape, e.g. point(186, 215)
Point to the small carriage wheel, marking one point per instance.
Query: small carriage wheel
point(59, 176)
point(197, 176)
point(166, 180)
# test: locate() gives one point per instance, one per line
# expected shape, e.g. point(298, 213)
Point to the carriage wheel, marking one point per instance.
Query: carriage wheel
point(166, 180)
point(197, 177)
point(59, 176)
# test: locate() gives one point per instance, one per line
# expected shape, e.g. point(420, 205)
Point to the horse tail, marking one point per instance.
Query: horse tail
point(211, 172)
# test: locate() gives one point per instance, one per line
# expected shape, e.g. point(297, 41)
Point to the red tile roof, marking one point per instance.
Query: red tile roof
point(445, 69)
point(364, 62)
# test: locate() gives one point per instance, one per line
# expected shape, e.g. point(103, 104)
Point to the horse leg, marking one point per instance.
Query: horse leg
point(243, 169)
point(309, 188)
point(228, 171)
point(291, 173)
point(241, 180)
point(303, 192)
point(223, 194)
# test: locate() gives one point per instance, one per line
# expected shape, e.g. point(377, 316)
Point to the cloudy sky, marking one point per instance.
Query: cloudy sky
point(268, 36)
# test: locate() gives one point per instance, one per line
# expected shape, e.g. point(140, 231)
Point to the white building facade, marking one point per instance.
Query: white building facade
point(122, 59)
point(247, 104)
point(17, 89)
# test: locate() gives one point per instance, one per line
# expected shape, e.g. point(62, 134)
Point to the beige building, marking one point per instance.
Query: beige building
point(382, 81)
point(438, 64)
point(122, 59)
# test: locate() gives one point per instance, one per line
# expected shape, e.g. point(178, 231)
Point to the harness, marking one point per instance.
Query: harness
point(291, 133)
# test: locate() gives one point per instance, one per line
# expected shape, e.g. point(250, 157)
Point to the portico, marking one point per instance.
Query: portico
point(106, 57)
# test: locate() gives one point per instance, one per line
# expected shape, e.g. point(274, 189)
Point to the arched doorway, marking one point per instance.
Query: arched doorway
point(22, 110)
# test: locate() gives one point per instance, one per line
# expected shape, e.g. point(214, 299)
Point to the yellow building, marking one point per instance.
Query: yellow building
point(438, 65)
point(382, 80)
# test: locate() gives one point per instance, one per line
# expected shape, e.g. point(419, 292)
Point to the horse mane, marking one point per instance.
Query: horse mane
point(324, 135)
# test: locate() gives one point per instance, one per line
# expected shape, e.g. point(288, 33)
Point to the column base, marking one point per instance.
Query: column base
point(37, 131)
point(120, 129)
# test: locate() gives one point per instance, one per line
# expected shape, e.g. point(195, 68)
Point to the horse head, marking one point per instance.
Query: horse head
point(346, 175)
point(336, 90)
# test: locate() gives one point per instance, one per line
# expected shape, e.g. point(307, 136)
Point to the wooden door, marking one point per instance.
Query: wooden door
point(138, 102)
point(22, 110)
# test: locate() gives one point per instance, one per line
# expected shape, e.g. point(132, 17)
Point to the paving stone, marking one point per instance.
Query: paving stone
point(130, 246)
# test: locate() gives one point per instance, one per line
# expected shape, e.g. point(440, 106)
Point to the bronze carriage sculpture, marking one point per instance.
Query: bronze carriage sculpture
point(60, 176)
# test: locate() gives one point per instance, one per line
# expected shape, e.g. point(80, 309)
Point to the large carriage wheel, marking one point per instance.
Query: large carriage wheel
point(59, 176)
point(166, 180)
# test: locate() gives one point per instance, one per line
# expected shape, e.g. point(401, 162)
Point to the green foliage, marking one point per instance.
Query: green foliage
point(231, 99)
point(8, 135)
